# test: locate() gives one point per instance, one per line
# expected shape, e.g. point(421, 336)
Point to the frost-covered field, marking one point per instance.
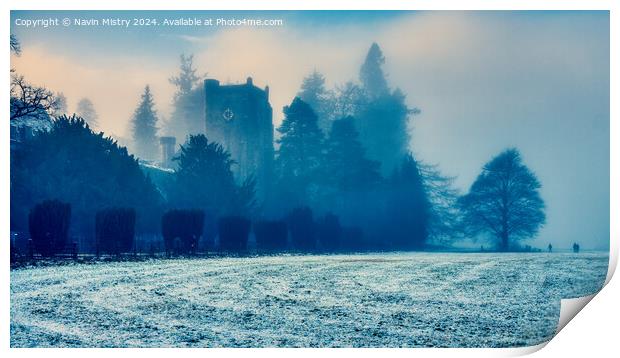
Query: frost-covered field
point(419, 299)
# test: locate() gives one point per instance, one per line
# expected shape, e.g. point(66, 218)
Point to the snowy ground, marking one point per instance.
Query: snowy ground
point(419, 299)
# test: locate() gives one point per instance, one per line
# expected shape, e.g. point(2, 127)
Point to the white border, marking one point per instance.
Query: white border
point(596, 325)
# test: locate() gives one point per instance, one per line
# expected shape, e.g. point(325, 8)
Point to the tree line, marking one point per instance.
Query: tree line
point(345, 180)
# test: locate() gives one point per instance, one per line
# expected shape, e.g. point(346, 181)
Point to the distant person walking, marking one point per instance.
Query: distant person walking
point(550, 248)
point(575, 247)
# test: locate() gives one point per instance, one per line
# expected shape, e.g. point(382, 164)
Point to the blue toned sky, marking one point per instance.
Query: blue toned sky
point(484, 81)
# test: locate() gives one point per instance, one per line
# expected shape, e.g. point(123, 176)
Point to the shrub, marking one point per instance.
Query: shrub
point(182, 229)
point(49, 226)
point(329, 232)
point(233, 232)
point(115, 229)
point(301, 226)
point(271, 235)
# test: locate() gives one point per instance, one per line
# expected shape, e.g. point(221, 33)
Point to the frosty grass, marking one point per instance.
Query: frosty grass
point(375, 300)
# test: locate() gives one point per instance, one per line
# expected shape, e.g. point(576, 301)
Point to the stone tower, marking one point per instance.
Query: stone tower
point(240, 118)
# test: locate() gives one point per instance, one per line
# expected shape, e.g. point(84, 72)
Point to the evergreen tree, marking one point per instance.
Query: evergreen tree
point(144, 127)
point(187, 79)
point(204, 179)
point(87, 170)
point(384, 117)
point(300, 152)
point(408, 208)
point(188, 109)
point(383, 125)
point(371, 73)
point(346, 167)
point(314, 93)
point(86, 110)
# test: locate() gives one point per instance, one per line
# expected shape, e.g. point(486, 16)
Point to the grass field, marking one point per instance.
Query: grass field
point(374, 300)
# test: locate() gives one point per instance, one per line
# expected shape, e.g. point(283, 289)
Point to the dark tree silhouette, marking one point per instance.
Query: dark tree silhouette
point(28, 100)
point(314, 93)
point(144, 127)
point(87, 170)
point(300, 153)
point(204, 179)
point(408, 206)
point(115, 230)
point(345, 165)
point(504, 201)
point(49, 226)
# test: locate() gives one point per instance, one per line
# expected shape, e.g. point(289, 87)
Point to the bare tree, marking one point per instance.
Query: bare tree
point(504, 201)
point(29, 100)
point(444, 214)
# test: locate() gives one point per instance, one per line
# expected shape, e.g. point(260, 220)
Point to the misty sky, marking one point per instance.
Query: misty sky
point(484, 81)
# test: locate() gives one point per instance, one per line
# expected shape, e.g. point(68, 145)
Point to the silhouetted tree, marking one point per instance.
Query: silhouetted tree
point(28, 100)
point(86, 110)
point(187, 79)
point(302, 229)
point(383, 127)
point(408, 206)
point(188, 103)
point(383, 120)
point(300, 153)
point(345, 164)
point(444, 214)
point(371, 73)
point(87, 170)
point(115, 230)
point(271, 235)
point(233, 232)
point(314, 93)
point(204, 179)
point(575, 247)
point(49, 226)
point(329, 232)
point(504, 201)
point(144, 127)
